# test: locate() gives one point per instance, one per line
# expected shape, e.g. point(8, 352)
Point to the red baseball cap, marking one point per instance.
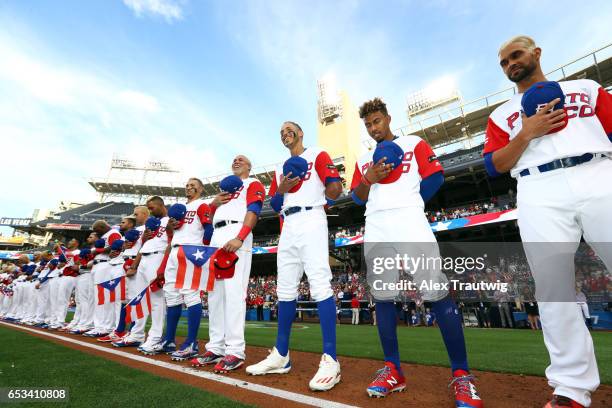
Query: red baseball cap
point(223, 264)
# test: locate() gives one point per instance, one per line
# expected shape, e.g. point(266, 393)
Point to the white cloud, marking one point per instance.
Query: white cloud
point(170, 10)
point(61, 124)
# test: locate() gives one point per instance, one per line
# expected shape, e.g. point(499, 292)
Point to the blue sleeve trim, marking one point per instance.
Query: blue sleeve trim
point(489, 166)
point(430, 185)
point(277, 202)
point(356, 199)
point(208, 231)
point(610, 137)
point(329, 180)
point(255, 207)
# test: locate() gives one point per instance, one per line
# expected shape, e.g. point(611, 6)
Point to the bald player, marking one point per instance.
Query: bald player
point(234, 218)
point(564, 193)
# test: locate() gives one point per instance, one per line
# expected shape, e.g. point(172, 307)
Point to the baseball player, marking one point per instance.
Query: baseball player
point(144, 272)
point(561, 160)
point(104, 315)
point(66, 284)
point(117, 268)
point(303, 247)
point(234, 218)
point(189, 231)
point(396, 224)
point(82, 321)
point(42, 286)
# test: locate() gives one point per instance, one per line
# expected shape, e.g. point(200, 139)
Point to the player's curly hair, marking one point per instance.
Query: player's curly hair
point(374, 105)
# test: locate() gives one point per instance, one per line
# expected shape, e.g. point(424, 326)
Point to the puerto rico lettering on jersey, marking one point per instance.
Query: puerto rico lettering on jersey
point(312, 191)
point(235, 210)
point(589, 130)
point(191, 231)
point(419, 162)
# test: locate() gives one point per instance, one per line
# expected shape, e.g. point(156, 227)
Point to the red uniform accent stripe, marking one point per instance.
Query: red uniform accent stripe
point(148, 296)
point(112, 295)
point(182, 267)
point(197, 274)
point(100, 294)
point(128, 314)
point(139, 313)
point(210, 285)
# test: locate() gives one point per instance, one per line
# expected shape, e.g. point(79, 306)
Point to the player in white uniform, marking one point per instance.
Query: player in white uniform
point(564, 193)
point(303, 247)
point(104, 315)
point(65, 285)
point(43, 303)
point(118, 266)
point(82, 321)
point(235, 215)
point(144, 270)
point(396, 225)
point(177, 290)
point(34, 268)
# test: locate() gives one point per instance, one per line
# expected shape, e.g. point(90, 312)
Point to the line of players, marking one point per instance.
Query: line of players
point(302, 187)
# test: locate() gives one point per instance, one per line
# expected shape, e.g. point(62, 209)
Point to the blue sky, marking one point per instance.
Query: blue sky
point(196, 82)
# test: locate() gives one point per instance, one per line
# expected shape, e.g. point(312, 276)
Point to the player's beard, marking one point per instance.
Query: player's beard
point(523, 72)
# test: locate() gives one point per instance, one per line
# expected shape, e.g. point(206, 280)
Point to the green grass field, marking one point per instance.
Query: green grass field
point(27, 361)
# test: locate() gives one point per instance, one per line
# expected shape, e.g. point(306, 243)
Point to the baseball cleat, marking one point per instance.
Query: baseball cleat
point(388, 379)
point(187, 351)
point(466, 395)
point(273, 364)
point(111, 337)
point(207, 359)
point(561, 401)
point(127, 341)
point(228, 363)
point(157, 348)
point(327, 375)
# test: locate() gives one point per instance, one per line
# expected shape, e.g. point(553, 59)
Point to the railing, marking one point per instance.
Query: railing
point(489, 101)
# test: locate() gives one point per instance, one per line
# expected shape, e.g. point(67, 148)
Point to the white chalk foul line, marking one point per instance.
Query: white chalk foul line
point(288, 395)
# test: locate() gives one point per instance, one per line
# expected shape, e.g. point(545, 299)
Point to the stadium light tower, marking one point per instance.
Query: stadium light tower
point(441, 92)
point(329, 108)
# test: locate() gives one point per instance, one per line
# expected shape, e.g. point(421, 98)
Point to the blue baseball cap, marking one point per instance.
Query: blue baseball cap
point(152, 223)
point(297, 166)
point(100, 243)
point(117, 245)
point(541, 93)
point(85, 252)
point(54, 262)
point(132, 235)
point(177, 211)
point(62, 259)
point(230, 184)
point(394, 155)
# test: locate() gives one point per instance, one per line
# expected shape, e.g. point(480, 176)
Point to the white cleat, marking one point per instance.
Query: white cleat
point(273, 364)
point(327, 376)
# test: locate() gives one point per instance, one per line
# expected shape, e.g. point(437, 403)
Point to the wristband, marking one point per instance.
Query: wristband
point(244, 232)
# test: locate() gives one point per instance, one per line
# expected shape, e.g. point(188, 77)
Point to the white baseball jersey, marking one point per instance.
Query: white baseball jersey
point(111, 236)
point(133, 251)
point(191, 232)
point(589, 128)
point(159, 241)
point(312, 191)
point(419, 162)
point(251, 191)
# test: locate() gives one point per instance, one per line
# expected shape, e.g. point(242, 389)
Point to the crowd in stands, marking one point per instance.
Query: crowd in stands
point(491, 205)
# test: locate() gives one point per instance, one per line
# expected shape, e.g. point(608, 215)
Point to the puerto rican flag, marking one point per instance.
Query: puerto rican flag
point(111, 290)
point(139, 307)
point(191, 260)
